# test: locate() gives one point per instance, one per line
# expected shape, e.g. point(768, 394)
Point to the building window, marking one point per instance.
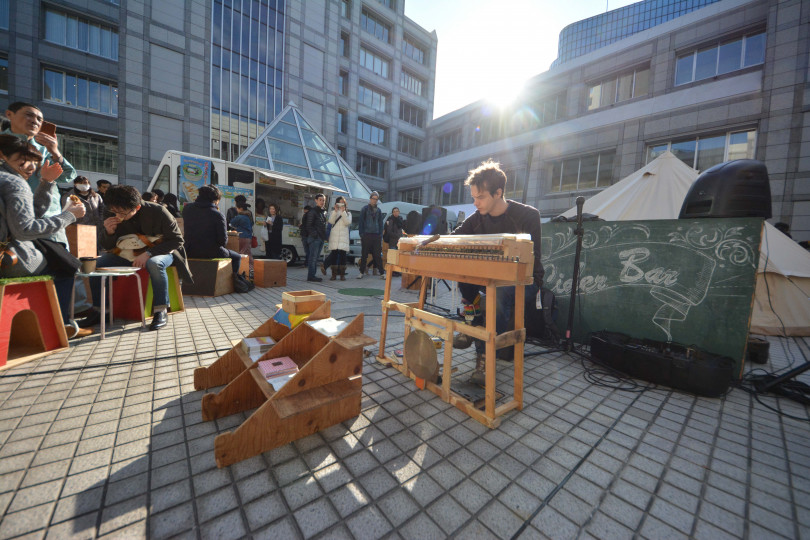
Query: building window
point(412, 83)
point(489, 129)
point(345, 8)
point(80, 92)
point(447, 143)
point(374, 62)
point(343, 47)
point(409, 145)
point(89, 152)
point(343, 83)
point(81, 34)
point(341, 151)
point(586, 172)
point(448, 193)
point(3, 75)
point(372, 97)
point(700, 153)
point(619, 88)
point(413, 49)
point(4, 14)
point(515, 184)
point(390, 4)
point(370, 165)
point(371, 132)
point(412, 114)
point(413, 195)
point(342, 121)
point(376, 25)
point(720, 58)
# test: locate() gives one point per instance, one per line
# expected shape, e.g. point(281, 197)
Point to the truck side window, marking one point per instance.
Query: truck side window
point(163, 180)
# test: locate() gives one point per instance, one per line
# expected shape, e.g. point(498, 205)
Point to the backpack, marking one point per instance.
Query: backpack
point(386, 236)
point(241, 284)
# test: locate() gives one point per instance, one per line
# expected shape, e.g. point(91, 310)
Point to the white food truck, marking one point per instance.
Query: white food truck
point(183, 174)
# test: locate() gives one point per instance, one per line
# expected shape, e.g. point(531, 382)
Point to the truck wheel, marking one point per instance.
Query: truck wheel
point(289, 254)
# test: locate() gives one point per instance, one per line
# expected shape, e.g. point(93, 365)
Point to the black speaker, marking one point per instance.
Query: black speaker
point(434, 220)
point(671, 364)
point(738, 188)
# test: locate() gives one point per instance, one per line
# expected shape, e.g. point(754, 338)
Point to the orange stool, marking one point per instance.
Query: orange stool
point(30, 322)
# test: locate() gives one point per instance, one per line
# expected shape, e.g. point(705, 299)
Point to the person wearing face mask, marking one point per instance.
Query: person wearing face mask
point(21, 224)
point(92, 201)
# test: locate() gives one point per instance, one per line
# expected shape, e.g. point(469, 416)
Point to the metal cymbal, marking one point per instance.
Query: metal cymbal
point(420, 354)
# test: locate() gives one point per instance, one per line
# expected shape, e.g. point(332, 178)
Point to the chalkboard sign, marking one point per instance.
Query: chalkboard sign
point(686, 281)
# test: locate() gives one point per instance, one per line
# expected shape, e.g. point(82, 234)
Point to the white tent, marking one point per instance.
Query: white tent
point(657, 191)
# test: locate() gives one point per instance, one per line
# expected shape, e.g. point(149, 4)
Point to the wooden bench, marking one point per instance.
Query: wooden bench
point(31, 324)
point(212, 277)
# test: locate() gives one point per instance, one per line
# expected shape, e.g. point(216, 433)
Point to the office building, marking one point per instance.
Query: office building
point(125, 81)
point(722, 82)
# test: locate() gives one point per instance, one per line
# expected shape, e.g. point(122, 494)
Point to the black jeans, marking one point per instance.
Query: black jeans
point(371, 244)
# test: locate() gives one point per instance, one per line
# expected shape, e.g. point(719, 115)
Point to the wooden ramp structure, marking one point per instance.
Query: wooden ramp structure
point(326, 390)
point(488, 260)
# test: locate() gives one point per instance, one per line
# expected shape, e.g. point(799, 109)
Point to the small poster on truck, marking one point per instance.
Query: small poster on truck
point(194, 173)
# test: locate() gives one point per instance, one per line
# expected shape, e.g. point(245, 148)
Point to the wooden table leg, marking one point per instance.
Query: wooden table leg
point(489, 387)
point(520, 295)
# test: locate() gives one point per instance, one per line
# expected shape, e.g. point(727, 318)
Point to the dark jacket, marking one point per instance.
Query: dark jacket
point(394, 227)
point(153, 220)
point(518, 218)
point(315, 223)
point(274, 231)
point(206, 235)
point(371, 221)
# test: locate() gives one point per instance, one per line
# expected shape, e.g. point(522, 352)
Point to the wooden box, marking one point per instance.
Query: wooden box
point(269, 273)
point(212, 277)
point(411, 281)
point(300, 302)
point(233, 241)
point(82, 240)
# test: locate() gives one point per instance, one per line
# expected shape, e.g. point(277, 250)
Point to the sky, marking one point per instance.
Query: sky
point(487, 48)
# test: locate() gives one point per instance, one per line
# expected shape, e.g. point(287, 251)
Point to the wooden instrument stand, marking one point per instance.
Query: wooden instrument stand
point(436, 325)
point(326, 390)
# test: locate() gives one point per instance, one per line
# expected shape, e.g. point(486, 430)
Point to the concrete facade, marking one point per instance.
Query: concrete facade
point(314, 62)
point(770, 100)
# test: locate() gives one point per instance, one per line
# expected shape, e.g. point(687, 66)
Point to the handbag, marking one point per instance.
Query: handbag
point(61, 263)
point(241, 284)
point(254, 242)
point(265, 234)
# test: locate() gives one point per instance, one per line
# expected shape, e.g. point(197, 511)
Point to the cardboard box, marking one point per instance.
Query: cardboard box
point(301, 302)
point(233, 241)
point(82, 240)
point(269, 273)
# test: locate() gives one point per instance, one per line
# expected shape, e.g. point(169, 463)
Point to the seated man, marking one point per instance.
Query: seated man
point(132, 215)
point(206, 235)
point(496, 215)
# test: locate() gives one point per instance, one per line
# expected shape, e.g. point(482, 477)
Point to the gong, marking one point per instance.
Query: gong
point(420, 354)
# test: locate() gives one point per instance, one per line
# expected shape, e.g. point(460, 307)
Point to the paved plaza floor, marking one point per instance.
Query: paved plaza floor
point(106, 440)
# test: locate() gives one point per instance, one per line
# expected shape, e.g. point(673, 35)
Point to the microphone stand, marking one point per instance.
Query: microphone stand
point(569, 334)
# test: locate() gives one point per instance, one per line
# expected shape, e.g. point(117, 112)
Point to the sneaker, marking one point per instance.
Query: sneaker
point(74, 332)
point(462, 341)
point(382, 276)
point(314, 278)
point(91, 319)
point(360, 276)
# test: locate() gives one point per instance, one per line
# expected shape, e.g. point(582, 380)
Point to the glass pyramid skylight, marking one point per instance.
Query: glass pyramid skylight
point(291, 145)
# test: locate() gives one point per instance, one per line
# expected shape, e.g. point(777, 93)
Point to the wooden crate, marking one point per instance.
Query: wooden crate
point(269, 273)
point(300, 302)
point(82, 240)
point(212, 277)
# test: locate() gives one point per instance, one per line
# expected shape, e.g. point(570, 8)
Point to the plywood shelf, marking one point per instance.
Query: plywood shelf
point(326, 390)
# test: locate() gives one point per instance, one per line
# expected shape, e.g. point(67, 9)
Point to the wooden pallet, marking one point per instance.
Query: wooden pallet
point(326, 390)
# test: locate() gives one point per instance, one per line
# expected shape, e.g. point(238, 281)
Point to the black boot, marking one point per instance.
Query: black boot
point(159, 320)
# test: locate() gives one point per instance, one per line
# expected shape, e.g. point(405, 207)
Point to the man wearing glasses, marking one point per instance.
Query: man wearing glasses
point(371, 229)
point(131, 215)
